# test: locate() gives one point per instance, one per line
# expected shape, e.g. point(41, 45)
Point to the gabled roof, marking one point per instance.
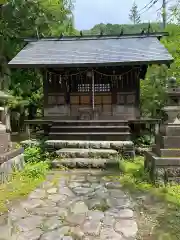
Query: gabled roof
point(92, 51)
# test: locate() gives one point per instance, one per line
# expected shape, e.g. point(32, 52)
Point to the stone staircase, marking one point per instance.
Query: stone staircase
point(90, 130)
point(89, 154)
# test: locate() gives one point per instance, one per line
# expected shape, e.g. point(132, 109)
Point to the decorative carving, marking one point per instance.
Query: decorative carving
point(84, 87)
point(100, 87)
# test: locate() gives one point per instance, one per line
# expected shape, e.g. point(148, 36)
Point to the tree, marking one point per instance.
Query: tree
point(22, 19)
point(134, 15)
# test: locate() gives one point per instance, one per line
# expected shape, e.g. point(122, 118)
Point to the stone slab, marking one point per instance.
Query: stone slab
point(171, 141)
point(10, 154)
point(169, 153)
point(117, 145)
point(85, 153)
point(80, 221)
point(162, 161)
point(164, 169)
point(84, 162)
point(172, 130)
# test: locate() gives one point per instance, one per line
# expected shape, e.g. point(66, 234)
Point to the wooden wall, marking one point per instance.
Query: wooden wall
point(116, 95)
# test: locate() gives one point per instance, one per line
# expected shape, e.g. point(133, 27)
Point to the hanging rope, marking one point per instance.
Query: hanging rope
point(69, 75)
point(87, 70)
point(115, 75)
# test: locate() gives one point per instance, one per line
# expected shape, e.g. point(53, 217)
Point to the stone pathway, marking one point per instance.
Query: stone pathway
point(73, 206)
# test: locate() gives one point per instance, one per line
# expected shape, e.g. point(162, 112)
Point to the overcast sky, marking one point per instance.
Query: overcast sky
point(91, 12)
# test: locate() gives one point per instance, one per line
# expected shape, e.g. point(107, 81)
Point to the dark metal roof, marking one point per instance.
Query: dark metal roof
point(77, 52)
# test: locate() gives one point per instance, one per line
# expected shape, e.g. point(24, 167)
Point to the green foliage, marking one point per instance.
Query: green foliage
point(144, 141)
point(22, 183)
point(127, 28)
point(33, 154)
point(134, 169)
point(134, 15)
point(34, 171)
point(21, 19)
point(135, 178)
point(153, 97)
point(159, 197)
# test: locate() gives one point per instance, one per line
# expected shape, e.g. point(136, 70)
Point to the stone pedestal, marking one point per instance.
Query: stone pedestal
point(164, 159)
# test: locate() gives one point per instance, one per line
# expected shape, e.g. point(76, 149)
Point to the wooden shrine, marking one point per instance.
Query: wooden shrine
point(92, 78)
point(92, 93)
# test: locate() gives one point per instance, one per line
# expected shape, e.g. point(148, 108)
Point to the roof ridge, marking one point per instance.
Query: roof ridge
point(99, 37)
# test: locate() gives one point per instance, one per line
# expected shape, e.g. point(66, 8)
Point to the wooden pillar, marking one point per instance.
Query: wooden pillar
point(45, 89)
point(138, 95)
point(93, 91)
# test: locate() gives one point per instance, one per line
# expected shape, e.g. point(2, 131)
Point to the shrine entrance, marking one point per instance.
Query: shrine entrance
point(92, 94)
point(102, 94)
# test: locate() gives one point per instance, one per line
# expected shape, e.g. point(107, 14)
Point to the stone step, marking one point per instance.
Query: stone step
point(172, 142)
point(90, 128)
point(86, 153)
point(90, 136)
point(162, 161)
point(85, 162)
point(58, 144)
point(90, 122)
point(124, 147)
point(168, 152)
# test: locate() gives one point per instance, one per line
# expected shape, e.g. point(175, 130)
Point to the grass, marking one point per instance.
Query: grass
point(135, 178)
point(37, 165)
point(161, 207)
point(22, 183)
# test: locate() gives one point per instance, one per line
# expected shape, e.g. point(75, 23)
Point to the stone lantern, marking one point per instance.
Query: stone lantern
point(11, 157)
point(5, 142)
point(165, 154)
point(173, 104)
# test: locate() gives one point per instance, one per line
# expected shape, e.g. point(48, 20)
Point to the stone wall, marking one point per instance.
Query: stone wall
point(7, 168)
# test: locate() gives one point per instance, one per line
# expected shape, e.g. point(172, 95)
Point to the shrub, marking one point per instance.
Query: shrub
point(33, 155)
point(37, 170)
point(145, 140)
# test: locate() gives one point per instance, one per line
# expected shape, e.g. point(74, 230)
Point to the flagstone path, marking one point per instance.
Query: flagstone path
point(77, 205)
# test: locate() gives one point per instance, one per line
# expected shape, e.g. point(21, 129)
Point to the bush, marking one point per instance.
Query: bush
point(33, 155)
point(37, 170)
point(144, 141)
